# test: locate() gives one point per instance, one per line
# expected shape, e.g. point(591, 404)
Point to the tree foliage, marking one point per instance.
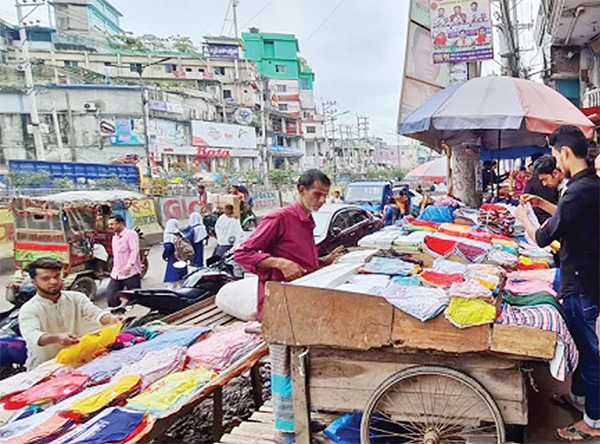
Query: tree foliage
point(151, 42)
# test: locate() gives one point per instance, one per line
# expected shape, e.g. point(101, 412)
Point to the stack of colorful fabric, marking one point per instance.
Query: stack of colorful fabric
point(439, 245)
point(496, 218)
point(220, 349)
point(473, 251)
point(422, 303)
point(413, 224)
point(410, 243)
point(171, 392)
point(53, 390)
point(441, 265)
point(115, 393)
point(471, 289)
point(440, 280)
point(381, 239)
point(390, 266)
point(465, 216)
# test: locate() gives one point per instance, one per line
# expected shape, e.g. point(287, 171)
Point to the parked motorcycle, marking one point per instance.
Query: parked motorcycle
point(196, 286)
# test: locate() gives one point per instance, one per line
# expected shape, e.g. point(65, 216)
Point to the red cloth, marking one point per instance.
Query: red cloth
point(534, 266)
point(443, 247)
point(443, 280)
point(54, 389)
point(286, 233)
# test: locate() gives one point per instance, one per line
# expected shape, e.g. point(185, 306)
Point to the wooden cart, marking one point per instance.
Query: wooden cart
point(426, 382)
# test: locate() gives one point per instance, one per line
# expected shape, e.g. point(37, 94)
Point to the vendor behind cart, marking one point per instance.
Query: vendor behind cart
point(282, 249)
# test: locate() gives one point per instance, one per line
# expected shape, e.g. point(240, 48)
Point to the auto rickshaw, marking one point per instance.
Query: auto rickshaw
point(71, 227)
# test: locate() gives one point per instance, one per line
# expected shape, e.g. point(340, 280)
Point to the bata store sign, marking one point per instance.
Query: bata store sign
point(197, 151)
point(209, 135)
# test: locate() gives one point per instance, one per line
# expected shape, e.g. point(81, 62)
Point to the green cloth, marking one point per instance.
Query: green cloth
point(529, 300)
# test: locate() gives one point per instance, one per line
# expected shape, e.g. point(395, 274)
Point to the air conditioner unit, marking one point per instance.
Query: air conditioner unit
point(90, 106)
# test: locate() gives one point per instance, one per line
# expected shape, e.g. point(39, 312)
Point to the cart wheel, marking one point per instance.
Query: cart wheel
point(431, 405)
point(85, 285)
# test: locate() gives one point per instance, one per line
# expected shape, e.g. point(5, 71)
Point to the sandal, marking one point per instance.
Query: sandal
point(584, 436)
point(566, 402)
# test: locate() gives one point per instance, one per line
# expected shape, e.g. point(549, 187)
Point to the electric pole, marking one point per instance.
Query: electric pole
point(235, 4)
point(38, 141)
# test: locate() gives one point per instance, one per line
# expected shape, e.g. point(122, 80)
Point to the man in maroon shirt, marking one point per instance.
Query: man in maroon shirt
point(282, 249)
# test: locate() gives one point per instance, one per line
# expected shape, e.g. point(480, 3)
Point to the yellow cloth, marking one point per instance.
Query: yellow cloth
point(464, 312)
point(89, 346)
point(168, 391)
point(96, 402)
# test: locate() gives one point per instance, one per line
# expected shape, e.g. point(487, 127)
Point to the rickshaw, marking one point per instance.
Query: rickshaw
point(71, 227)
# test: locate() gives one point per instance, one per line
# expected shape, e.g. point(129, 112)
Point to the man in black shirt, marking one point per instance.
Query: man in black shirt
point(536, 188)
point(576, 223)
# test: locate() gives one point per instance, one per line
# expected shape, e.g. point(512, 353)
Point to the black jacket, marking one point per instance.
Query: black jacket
point(576, 224)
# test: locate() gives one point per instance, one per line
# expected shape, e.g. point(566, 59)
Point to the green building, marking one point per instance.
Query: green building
point(276, 56)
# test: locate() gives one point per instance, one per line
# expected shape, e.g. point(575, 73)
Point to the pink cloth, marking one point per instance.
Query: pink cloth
point(126, 255)
point(528, 287)
point(286, 233)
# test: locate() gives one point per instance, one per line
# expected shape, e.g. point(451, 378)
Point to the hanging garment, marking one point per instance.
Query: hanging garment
point(89, 346)
point(155, 365)
point(221, 349)
point(420, 302)
point(470, 289)
point(390, 266)
point(442, 280)
point(54, 389)
point(545, 317)
point(463, 312)
point(113, 425)
point(105, 367)
point(115, 392)
point(23, 381)
point(170, 392)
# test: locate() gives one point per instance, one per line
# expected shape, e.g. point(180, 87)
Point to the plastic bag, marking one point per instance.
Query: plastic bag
point(345, 429)
point(239, 299)
point(89, 346)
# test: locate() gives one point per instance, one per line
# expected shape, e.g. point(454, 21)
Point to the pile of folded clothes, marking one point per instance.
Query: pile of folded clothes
point(391, 266)
point(381, 239)
point(496, 218)
point(410, 243)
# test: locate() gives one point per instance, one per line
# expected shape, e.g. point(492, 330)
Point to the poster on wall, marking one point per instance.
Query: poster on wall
point(222, 135)
point(123, 131)
point(461, 31)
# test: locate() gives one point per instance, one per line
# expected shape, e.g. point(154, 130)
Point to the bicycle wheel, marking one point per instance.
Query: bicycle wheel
point(431, 405)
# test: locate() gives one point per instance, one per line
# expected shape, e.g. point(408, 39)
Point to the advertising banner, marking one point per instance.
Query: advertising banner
point(461, 31)
point(222, 135)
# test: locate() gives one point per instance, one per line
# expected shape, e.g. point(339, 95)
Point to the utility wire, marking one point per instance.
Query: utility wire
point(323, 22)
point(226, 15)
point(257, 14)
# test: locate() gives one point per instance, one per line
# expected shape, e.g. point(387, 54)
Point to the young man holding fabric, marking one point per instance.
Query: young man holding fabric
point(282, 249)
point(576, 224)
point(54, 319)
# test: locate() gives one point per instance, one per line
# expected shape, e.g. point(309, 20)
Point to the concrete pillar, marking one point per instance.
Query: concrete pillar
point(213, 165)
point(236, 163)
point(465, 165)
point(286, 162)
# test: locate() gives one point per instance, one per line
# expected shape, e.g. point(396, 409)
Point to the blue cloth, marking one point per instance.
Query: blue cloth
point(172, 274)
point(581, 312)
point(111, 426)
point(198, 259)
point(407, 280)
point(345, 429)
point(392, 214)
point(180, 338)
point(438, 214)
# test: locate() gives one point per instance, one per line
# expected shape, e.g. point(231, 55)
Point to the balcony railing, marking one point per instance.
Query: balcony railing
point(591, 98)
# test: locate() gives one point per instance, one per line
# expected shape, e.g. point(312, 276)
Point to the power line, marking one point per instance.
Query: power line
point(257, 14)
point(323, 22)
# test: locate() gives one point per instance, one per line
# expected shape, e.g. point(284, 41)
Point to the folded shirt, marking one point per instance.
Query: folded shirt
point(423, 303)
point(389, 266)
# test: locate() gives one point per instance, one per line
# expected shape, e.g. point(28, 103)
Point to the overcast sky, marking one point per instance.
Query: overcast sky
point(355, 47)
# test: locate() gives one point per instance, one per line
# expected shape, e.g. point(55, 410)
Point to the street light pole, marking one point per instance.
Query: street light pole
point(38, 141)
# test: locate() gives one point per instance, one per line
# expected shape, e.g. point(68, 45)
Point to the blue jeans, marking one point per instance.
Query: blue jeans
point(581, 312)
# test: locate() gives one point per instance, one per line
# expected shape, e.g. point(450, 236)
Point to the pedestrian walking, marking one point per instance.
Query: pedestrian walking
point(127, 266)
point(171, 237)
point(196, 234)
point(228, 230)
point(283, 249)
point(576, 224)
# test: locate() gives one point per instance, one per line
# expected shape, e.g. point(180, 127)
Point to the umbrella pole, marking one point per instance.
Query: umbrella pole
point(499, 157)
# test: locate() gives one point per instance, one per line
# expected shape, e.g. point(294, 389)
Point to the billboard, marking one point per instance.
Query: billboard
point(461, 30)
point(422, 78)
point(222, 135)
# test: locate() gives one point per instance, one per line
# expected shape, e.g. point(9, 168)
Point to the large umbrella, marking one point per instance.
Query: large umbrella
point(496, 112)
point(433, 171)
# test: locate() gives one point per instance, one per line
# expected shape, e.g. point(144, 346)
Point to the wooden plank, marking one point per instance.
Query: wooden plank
point(266, 408)
point(217, 413)
point(256, 428)
point(438, 334)
point(524, 341)
point(231, 439)
point(173, 318)
point(301, 399)
point(262, 417)
point(295, 315)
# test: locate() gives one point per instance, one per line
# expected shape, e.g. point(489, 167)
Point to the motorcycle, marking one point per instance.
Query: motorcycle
point(196, 286)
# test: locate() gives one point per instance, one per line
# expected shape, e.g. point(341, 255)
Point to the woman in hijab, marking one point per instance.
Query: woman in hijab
point(196, 233)
point(171, 232)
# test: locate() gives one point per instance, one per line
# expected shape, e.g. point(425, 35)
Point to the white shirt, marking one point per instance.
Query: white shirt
point(562, 187)
point(229, 230)
point(40, 316)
